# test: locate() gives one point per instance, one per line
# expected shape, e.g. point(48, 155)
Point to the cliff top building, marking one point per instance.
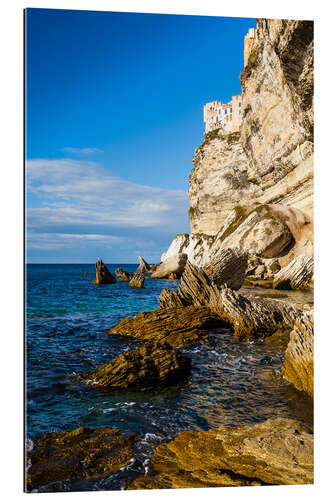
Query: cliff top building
point(228, 116)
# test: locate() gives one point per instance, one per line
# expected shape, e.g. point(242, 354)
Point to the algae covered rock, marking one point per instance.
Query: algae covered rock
point(81, 454)
point(137, 281)
point(296, 275)
point(298, 357)
point(153, 364)
point(103, 275)
point(276, 451)
point(123, 275)
point(174, 266)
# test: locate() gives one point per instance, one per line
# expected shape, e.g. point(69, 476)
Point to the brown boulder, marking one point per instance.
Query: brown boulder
point(277, 451)
point(81, 454)
point(153, 364)
point(103, 275)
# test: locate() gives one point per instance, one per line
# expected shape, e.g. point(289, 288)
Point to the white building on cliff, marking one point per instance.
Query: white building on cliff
point(228, 116)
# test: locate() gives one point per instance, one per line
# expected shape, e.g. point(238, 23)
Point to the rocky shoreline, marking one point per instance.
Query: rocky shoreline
point(245, 455)
point(248, 266)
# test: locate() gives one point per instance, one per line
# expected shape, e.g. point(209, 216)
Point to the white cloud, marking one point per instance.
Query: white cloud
point(82, 203)
point(82, 151)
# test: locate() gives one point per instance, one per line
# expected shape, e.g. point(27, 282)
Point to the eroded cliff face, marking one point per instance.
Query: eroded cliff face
point(271, 159)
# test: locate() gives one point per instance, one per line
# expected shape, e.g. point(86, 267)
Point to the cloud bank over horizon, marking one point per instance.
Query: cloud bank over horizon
point(78, 211)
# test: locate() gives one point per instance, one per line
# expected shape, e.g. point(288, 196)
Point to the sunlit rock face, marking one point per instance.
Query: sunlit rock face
point(270, 161)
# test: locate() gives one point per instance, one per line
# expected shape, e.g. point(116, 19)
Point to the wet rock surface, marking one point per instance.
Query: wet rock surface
point(153, 364)
point(276, 451)
point(298, 366)
point(81, 454)
point(103, 275)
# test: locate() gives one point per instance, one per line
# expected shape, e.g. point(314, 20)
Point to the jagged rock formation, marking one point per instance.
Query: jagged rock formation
point(199, 304)
point(227, 268)
point(177, 326)
point(103, 275)
point(123, 275)
point(153, 364)
point(271, 160)
point(277, 451)
point(298, 363)
point(173, 266)
point(80, 454)
point(137, 280)
point(143, 267)
point(296, 275)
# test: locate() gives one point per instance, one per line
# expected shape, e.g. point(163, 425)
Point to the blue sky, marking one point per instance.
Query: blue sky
point(114, 111)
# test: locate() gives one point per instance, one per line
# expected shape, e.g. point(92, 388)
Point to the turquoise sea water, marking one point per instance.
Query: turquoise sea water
point(66, 321)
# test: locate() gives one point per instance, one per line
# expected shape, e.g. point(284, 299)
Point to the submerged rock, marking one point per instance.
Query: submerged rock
point(153, 364)
point(174, 265)
point(228, 267)
point(178, 326)
point(103, 275)
point(298, 358)
point(81, 454)
point(296, 275)
point(137, 281)
point(123, 275)
point(277, 451)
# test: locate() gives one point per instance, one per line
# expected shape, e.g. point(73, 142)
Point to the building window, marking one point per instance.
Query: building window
point(230, 110)
point(225, 111)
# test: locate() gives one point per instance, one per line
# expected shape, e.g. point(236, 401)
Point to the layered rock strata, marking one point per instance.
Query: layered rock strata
point(123, 275)
point(200, 304)
point(228, 268)
point(298, 357)
point(177, 326)
point(296, 275)
point(103, 275)
point(81, 454)
point(267, 231)
point(137, 280)
point(153, 364)
point(277, 451)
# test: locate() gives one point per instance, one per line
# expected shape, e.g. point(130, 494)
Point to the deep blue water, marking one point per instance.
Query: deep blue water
point(66, 322)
